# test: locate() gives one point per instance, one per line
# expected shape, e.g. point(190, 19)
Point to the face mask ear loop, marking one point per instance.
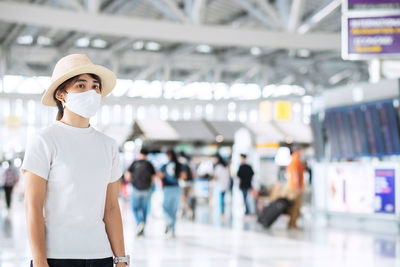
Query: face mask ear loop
point(63, 102)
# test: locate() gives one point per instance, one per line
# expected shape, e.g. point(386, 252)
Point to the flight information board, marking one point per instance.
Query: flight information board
point(364, 130)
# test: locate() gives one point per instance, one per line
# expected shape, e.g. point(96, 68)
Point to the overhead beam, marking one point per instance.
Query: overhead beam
point(319, 15)
point(197, 75)
point(270, 10)
point(162, 30)
point(93, 6)
point(256, 13)
point(169, 8)
point(75, 4)
point(255, 69)
point(12, 36)
point(284, 11)
point(295, 15)
point(198, 11)
point(180, 51)
point(112, 6)
point(171, 4)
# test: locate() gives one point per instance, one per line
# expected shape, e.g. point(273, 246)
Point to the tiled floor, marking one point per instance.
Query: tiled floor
point(238, 243)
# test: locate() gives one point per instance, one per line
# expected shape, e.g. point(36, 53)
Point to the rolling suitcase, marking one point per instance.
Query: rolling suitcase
point(270, 213)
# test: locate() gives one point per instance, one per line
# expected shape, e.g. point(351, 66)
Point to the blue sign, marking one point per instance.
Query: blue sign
point(385, 191)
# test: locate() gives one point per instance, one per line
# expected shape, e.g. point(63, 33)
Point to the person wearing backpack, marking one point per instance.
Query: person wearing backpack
point(171, 173)
point(141, 174)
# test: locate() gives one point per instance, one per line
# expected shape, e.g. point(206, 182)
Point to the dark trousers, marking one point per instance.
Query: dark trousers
point(107, 262)
point(8, 191)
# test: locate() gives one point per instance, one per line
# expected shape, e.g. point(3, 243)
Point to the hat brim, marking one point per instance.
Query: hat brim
point(107, 77)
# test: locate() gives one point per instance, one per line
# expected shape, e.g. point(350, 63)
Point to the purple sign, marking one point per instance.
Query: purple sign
point(371, 5)
point(373, 36)
point(385, 191)
point(375, 2)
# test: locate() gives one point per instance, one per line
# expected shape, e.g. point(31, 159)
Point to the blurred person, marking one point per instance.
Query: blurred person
point(223, 181)
point(171, 173)
point(245, 174)
point(10, 179)
point(295, 184)
point(71, 173)
point(189, 201)
point(141, 174)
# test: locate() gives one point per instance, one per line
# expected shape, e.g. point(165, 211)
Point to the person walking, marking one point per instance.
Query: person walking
point(223, 181)
point(171, 173)
point(10, 179)
point(245, 174)
point(295, 184)
point(71, 172)
point(141, 174)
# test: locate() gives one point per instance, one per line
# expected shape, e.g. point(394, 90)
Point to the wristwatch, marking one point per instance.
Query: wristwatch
point(126, 259)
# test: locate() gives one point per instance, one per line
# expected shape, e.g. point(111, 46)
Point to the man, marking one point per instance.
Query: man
point(245, 174)
point(295, 172)
point(140, 174)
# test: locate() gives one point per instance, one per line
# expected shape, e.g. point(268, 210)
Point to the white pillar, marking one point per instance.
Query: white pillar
point(375, 70)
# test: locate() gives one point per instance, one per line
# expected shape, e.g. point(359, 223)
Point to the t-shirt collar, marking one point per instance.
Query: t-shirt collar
point(75, 129)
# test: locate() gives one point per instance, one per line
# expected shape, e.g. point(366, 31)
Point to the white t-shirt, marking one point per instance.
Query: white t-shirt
point(78, 164)
point(222, 177)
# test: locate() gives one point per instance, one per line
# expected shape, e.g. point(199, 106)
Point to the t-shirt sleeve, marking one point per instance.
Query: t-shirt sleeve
point(151, 168)
point(116, 170)
point(132, 167)
point(38, 157)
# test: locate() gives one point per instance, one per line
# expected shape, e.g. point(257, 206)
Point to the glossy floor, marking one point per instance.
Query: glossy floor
point(238, 242)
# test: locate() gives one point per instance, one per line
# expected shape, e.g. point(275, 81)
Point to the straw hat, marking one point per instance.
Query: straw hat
point(76, 64)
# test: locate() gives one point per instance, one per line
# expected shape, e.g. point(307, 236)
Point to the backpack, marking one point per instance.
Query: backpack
point(188, 171)
point(141, 175)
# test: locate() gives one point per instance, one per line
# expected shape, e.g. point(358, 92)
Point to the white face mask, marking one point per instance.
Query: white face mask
point(84, 104)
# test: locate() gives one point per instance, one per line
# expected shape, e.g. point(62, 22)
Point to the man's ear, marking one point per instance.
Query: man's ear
point(61, 96)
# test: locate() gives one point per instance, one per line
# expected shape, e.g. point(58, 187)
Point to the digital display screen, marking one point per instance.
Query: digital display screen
point(356, 133)
point(388, 128)
point(332, 134)
point(318, 136)
point(365, 130)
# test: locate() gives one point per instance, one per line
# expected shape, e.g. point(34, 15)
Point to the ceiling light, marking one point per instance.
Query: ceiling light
point(138, 45)
point(255, 51)
point(82, 42)
point(25, 40)
point(203, 49)
point(43, 40)
point(303, 53)
point(153, 46)
point(99, 43)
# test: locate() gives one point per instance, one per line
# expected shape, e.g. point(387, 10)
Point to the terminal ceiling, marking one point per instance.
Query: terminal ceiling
point(251, 41)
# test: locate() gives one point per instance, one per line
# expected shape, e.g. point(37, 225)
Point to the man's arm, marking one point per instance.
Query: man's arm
point(35, 195)
point(113, 222)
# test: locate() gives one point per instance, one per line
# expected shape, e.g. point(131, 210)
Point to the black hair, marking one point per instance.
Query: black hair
point(62, 87)
point(221, 161)
point(144, 151)
point(178, 165)
point(243, 156)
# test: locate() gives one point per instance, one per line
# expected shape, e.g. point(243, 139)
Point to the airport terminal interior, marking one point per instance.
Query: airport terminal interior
point(283, 117)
